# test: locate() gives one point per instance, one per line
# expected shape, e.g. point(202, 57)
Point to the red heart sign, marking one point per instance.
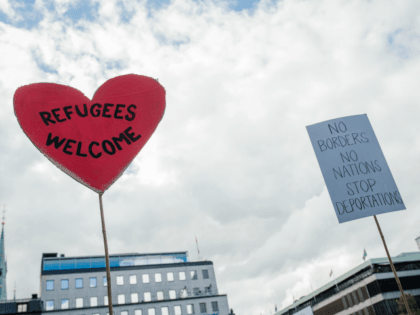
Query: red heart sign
point(95, 140)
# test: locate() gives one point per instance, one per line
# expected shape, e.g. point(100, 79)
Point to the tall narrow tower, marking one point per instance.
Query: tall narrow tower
point(3, 264)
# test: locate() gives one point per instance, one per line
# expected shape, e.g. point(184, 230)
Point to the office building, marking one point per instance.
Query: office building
point(368, 289)
point(142, 284)
point(3, 266)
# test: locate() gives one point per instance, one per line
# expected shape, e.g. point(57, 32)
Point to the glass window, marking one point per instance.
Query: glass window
point(64, 284)
point(106, 300)
point(183, 294)
point(205, 273)
point(93, 301)
point(105, 280)
point(170, 276)
point(214, 306)
point(137, 312)
point(177, 309)
point(134, 297)
point(151, 311)
point(49, 306)
point(92, 282)
point(124, 312)
point(147, 297)
point(182, 275)
point(207, 290)
point(121, 299)
point(158, 277)
point(64, 304)
point(159, 295)
point(133, 279)
point(190, 308)
point(79, 302)
point(196, 291)
point(203, 308)
point(79, 283)
point(172, 294)
point(120, 280)
point(22, 308)
point(194, 275)
point(145, 278)
point(164, 310)
point(50, 285)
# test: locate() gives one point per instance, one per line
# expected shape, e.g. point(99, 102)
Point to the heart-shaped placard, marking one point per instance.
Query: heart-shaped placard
point(95, 140)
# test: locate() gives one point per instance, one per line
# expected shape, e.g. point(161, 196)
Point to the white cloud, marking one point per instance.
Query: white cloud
point(231, 161)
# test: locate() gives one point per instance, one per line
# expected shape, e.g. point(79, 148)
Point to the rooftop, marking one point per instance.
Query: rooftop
point(50, 261)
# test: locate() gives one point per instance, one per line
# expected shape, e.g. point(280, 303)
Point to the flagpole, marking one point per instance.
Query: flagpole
point(393, 268)
point(335, 281)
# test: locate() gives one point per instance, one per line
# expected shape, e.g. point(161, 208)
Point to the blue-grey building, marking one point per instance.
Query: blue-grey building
point(142, 284)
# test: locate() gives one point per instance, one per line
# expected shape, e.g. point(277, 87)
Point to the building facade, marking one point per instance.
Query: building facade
point(368, 289)
point(142, 284)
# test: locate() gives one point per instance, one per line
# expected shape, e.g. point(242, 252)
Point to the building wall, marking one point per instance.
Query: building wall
point(144, 307)
point(100, 291)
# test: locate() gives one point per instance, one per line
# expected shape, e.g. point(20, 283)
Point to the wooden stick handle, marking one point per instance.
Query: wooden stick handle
point(393, 268)
point(108, 269)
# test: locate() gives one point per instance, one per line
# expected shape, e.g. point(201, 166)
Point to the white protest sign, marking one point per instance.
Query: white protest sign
point(305, 311)
point(355, 171)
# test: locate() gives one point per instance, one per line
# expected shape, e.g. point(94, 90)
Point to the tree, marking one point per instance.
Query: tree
point(412, 304)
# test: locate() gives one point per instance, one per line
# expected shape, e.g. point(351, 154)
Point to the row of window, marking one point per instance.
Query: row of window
point(150, 311)
point(134, 298)
point(132, 279)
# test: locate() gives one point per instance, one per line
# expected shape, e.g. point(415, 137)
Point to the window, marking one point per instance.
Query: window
point(183, 294)
point(105, 281)
point(133, 279)
point(182, 275)
point(177, 309)
point(170, 276)
point(64, 284)
point(151, 311)
point(137, 312)
point(79, 302)
point(196, 291)
point(159, 295)
point(121, 299)
point(205, 273)
point(50, 285)
point(203, 308)
point(93, 301)
point(207, 290)
point(147, 297)
point(92, 282)
point(158, 277)
point(164, 310)
point(134, 297)
point(106, 300)
point(79, 283)
point(124, 312)
point(120, 280)
point(145, 278)
point(190, 308)
point(172, 294)
point(49, 306)
point(194, 275)
point(214, 306)
point(64, 304)
point(22, 308)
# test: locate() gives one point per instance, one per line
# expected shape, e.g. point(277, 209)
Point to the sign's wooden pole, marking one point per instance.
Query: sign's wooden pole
point(108, 269)
point(393, 268)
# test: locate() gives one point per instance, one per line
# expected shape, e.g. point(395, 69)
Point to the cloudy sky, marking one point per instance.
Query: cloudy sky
point(231, 162)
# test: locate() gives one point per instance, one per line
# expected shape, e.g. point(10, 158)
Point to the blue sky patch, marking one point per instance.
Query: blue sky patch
point(28, 17)
point(82, 10)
